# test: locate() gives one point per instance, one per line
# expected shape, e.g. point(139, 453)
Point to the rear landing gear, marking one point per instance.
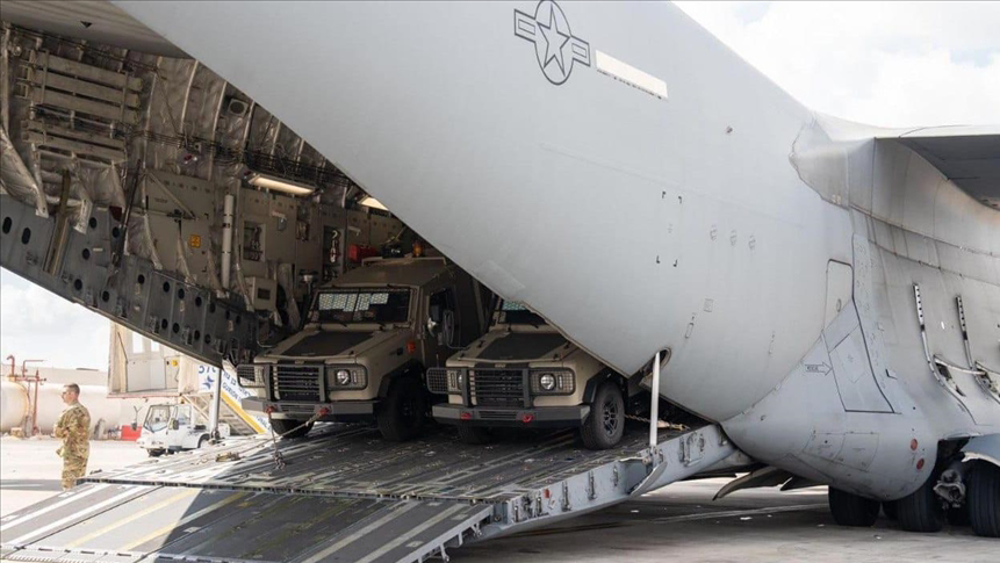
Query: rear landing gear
point(852, 510)
point(968, 494)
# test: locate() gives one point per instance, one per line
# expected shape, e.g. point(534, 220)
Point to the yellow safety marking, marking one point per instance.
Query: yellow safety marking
point(242, 413)
point(171, 527)
point(133, 517)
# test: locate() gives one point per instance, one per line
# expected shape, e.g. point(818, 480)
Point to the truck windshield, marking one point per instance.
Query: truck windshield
point(157, 418)
point(510, 312)
point(363, 306)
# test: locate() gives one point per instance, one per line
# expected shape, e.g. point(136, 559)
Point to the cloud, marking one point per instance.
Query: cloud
point(35, 324)
point(895, 64)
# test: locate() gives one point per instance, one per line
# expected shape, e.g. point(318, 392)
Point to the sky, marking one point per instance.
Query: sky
point(894, 64)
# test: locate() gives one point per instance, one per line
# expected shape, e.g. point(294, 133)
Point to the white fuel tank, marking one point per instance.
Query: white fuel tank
point(15, 404)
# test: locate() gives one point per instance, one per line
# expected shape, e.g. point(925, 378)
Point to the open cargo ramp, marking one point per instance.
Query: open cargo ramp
point(343, 495)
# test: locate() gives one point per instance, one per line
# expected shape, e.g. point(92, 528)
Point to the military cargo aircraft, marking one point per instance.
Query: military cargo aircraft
point(827, 292)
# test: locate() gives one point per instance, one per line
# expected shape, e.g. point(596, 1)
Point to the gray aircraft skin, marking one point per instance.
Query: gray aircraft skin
point(773, 250)
point(623, 173)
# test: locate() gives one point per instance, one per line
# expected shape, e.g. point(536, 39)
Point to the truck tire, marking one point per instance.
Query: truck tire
point(984, 499)
point(400, 415)
point(283, 425)
point(921, 511)
point(849, 509)
point(605, 426)
point(474, 435)
point(155, 453)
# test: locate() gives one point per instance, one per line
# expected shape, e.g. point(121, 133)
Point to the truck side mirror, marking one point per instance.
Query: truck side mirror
point(135, 426)
point(175, 424)
point(432, 326)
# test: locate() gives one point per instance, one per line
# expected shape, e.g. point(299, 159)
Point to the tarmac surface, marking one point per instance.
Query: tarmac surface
point(30, 469)
point(677, 523)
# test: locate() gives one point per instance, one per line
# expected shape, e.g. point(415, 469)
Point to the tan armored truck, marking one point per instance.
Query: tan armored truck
point(363, 353)
point(523, 373)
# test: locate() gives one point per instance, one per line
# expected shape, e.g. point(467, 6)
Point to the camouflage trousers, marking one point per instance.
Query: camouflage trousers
point(73, 468)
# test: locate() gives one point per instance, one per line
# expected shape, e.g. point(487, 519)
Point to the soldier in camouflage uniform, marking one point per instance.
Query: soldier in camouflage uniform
point(74, 429)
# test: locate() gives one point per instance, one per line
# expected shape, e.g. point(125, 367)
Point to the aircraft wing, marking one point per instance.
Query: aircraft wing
point(968, 155)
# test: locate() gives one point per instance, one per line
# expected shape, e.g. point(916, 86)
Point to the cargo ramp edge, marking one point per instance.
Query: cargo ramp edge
point(344, 495)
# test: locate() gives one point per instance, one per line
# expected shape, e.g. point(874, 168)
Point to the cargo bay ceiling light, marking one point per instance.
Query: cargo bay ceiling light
point(369, 201)
point(268, 182)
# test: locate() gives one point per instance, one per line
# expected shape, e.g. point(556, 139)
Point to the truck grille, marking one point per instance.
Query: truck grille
point(437, 380)
point(295, 382)
point(497, 387)
point(247, 377)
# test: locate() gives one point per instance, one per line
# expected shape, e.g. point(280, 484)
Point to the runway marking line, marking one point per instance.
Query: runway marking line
point(80, 516)
point(132, 517)
point(66, 500)
point(171, 527)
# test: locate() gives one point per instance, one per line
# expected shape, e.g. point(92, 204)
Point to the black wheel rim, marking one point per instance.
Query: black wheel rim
point(610, 415)
point(409, 409)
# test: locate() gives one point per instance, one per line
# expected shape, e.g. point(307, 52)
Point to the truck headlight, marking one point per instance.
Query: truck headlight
point(553, 382)
point(346, 377)
point(547, 381)
point(456, 380)
point(343, 377)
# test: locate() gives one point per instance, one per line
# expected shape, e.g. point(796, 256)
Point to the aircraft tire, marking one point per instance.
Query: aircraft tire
point(283, 425)
point(401, 414)
point(852, 510)
point(921, 510)
point(474, 435)
point(605, 426)
point(984, 499)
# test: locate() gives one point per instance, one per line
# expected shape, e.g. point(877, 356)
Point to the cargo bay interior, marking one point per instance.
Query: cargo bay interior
point(178, 206)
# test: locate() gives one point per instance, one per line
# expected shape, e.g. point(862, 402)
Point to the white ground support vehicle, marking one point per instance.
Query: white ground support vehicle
point(174, 428)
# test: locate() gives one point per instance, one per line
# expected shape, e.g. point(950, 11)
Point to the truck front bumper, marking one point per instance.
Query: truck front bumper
point(340, 411)
point(537, 417)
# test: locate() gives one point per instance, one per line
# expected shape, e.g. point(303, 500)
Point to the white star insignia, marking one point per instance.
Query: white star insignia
point(552, 34)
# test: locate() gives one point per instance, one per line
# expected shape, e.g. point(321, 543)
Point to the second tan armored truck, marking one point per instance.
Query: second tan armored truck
point(524, 373)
